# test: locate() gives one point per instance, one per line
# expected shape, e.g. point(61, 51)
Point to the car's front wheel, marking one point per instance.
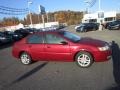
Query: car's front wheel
point(25, 58)
point(84, 59)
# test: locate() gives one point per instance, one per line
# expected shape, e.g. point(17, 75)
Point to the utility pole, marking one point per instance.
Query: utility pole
point(87, 5)
point(29, 2)
point(100, 16)
point(47, 17)
point(99, 5)
point(55, 17)
point(43, 20)
point(38, 17)
point(39, 14)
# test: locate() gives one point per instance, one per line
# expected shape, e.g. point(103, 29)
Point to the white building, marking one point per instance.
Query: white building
point(37, 26)
point(100, 17)
point(49, 24)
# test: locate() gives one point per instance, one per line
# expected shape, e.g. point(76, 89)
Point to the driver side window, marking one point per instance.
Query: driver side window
point(53, 39)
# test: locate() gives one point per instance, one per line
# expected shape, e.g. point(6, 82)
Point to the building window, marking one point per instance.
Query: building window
point(110, 19)
point(93, 20)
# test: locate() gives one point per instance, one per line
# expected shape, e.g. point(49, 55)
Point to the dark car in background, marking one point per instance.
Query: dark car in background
point(23, 32)
point(115, 25)
point(13, 35)
point(30, 30)
point(61, 26)
point(5, 39)
point(57, 27)
point(84, 27)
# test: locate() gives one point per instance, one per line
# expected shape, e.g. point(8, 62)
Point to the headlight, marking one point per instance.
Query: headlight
point(103, 48)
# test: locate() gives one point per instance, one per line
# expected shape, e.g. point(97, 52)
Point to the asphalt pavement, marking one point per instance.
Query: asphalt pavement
point(62, 75)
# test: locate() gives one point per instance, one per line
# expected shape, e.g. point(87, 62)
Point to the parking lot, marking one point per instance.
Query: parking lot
point(62, 75)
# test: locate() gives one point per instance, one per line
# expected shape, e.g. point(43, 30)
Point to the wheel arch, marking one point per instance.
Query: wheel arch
point(23, 52)
point(83, 51)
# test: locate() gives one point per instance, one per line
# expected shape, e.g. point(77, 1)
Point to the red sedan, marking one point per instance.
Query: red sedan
point(61, 46)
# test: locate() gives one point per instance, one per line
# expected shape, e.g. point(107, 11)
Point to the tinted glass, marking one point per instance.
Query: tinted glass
point(35, 39)
point(71, 36)
point(53, 39)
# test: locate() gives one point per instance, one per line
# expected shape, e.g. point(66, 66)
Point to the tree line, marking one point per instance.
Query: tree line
point(69, 17)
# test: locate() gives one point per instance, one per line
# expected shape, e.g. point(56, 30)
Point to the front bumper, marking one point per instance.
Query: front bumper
point(100, 56)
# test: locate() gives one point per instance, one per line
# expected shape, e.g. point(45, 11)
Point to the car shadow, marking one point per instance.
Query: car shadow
point(3, 46)
point(31, 72)
point(26, 75)
point(116, 65)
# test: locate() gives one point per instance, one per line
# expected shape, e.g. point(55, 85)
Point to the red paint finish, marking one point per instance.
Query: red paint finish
point(37, 51)
point(61, 51)
point(56, 52)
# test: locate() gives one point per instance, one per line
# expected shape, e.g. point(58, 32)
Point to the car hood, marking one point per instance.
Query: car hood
point(92, 42)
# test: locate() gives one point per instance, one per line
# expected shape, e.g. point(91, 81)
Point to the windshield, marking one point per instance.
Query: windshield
point(72, 37)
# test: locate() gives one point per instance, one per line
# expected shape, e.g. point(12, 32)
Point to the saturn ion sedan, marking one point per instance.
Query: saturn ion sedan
point(61, 46)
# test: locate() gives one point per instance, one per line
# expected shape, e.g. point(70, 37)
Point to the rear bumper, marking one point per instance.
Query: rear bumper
point(15, 51)
point(15, 54)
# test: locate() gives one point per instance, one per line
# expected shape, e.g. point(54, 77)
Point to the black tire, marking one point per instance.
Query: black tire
point(25, 58)
point(85, 30)
point(82, 29)
point(94, 29)
point(81, 56)
point(109, 28)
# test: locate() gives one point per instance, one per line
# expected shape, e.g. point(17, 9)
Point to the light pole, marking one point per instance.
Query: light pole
point(29, 2)
point(47, 14)
point(99, 5)
point(55, 17)
point(87, 6)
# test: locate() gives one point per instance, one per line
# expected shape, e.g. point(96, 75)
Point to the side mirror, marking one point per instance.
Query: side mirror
point(64, 43)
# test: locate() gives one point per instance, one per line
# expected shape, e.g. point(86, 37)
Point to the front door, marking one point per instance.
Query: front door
point(55, 50)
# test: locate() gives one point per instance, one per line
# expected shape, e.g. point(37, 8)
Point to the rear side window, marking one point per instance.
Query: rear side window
point(35, 39)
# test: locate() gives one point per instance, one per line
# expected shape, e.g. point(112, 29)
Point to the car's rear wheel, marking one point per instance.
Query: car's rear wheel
point(84, 59)
point(25, 58)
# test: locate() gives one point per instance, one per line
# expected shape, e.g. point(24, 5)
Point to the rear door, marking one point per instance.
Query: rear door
point(36, 46)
